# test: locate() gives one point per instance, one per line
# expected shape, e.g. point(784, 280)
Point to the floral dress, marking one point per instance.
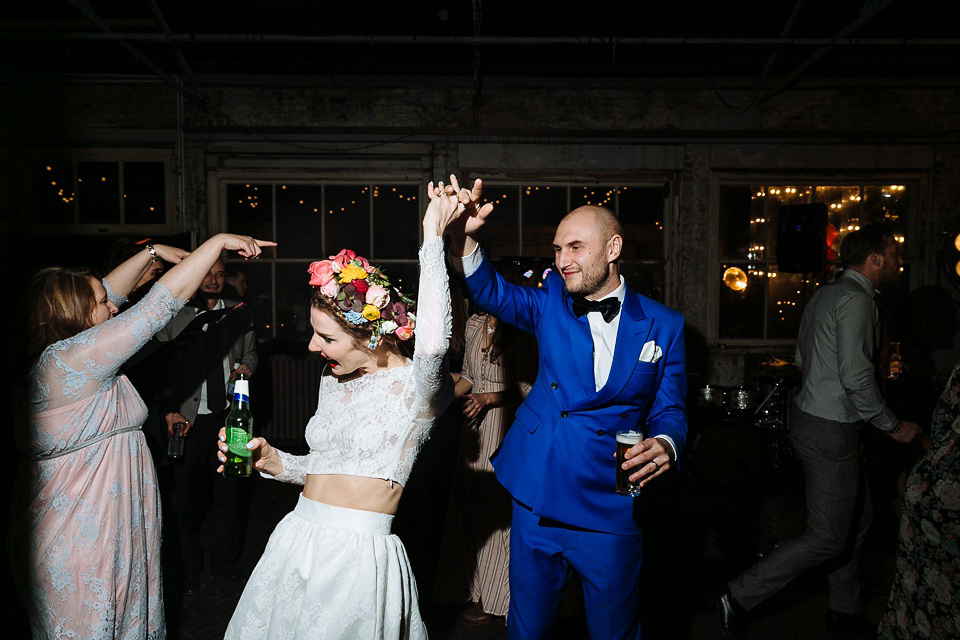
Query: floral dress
point(85, 536)
point(925, 599)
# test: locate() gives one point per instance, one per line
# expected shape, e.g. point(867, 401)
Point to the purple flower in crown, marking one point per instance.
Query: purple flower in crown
point(350, 299)
point(395, 311)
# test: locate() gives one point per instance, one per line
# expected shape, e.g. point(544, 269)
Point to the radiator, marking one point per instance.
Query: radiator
point(295, 384)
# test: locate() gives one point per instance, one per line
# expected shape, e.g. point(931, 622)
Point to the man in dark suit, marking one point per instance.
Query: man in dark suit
point(610, 360)
point(212, 341)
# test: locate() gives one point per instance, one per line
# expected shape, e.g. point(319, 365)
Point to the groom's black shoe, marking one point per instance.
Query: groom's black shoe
point(731, 614)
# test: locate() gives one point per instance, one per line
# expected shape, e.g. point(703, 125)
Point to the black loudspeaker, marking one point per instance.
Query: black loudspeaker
point(802, 238)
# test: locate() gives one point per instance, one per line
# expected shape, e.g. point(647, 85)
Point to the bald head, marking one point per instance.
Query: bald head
point(605, 222)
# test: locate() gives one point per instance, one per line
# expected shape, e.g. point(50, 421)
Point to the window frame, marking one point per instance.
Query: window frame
point(219, 222)
point(74, 156)
point(719, 179)
point(664, 181)
point(219, 180)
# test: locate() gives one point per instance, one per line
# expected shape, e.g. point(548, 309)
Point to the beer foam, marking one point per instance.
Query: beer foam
point(629, 437)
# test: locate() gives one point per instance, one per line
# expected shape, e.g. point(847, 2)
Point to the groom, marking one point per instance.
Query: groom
point(610, 360)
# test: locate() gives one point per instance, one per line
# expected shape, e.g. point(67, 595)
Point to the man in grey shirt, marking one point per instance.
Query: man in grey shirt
point(839, 338)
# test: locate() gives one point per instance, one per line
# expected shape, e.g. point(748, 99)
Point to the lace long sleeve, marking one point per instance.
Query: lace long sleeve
point(434, 326)
point(115, 298)
point(83, 364)
point(293, 469)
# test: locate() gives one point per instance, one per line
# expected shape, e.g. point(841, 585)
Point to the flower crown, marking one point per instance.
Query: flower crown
point(362, 292)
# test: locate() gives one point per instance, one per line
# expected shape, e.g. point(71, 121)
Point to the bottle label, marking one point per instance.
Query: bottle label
point(242, 388)
point(237, 440)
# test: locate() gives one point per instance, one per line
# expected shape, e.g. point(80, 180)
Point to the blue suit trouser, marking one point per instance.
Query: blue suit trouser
point(543, 556)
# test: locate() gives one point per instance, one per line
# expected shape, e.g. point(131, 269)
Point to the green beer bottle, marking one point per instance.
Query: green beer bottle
point(239, 430)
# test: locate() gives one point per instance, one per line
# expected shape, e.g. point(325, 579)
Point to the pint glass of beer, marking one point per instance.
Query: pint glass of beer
point(625, 440)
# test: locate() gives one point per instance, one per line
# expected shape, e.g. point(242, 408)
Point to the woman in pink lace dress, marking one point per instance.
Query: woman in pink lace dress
point(85, 536)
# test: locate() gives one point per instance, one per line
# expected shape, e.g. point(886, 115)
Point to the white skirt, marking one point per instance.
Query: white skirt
point(330, 573)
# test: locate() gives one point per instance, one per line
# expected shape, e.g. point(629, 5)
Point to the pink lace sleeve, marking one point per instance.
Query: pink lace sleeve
point(83, 364)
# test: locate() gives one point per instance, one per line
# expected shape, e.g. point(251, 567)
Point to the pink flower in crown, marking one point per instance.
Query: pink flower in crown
point(347, 256)
point(377, 296)
point(331, 288)
point(321, 272)
point(342, 259)
point(404, 333)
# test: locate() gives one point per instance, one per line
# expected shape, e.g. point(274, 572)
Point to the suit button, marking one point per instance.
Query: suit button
point(563, 414)
point(554, 386)
point(601, 432)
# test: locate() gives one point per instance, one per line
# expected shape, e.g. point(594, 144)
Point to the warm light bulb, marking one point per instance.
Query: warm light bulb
point(735, 278)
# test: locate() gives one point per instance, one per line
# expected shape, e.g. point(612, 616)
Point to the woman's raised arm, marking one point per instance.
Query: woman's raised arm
point(184, 279)
point(125, 277)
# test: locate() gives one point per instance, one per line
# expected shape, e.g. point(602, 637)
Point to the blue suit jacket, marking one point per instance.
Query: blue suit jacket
point(558, 456)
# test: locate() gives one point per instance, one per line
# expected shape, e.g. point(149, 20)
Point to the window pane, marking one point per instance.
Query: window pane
point(396, 221)
point(741, 309)
point(644, 278)
point(598, 195)
point(53, 192)
point(347, 217)
point(300, 222)
point(405, 276)
point(785, 304)
point(293, 301)
point(641, 214)
point(890, 204)
point(543, 208)
point(739, 206)
point(144, 197)
point(843, 208)
point(500, 236)
point(98, 192)
point(249, 210)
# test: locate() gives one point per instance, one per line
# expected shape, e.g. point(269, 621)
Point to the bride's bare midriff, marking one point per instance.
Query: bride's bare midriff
point(352, 492)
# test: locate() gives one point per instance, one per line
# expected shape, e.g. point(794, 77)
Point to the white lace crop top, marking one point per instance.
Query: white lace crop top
point(374, 425)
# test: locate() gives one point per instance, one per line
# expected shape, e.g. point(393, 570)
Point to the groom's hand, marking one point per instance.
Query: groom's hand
point(650, 458)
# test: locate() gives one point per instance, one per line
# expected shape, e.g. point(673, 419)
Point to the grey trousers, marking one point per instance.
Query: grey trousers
point(839, 512)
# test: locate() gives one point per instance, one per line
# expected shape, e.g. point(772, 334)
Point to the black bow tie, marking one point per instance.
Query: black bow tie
point(608, 307)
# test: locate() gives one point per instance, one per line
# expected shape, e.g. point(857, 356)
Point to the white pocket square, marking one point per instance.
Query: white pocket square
point(651, 352)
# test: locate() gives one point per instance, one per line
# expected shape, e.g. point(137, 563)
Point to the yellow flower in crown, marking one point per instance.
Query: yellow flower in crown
point(352, 272)
point(370, 312)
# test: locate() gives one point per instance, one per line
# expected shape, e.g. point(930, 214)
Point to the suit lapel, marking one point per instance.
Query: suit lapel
point(632, 333)
point(580, 345)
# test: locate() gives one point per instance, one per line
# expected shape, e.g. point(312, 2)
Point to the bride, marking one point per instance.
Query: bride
point(331, 568)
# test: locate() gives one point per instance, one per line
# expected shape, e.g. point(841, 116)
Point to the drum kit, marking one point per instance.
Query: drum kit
point(745, 431)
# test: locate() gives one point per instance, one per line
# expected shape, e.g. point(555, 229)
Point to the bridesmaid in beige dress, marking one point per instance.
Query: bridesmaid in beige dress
point(499, 367)
point(85, 534)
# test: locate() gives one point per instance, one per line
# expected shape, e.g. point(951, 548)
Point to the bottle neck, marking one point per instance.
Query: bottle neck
point(241, 395)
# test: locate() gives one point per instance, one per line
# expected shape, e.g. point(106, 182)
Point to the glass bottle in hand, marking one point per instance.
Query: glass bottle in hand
point(239, 430)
